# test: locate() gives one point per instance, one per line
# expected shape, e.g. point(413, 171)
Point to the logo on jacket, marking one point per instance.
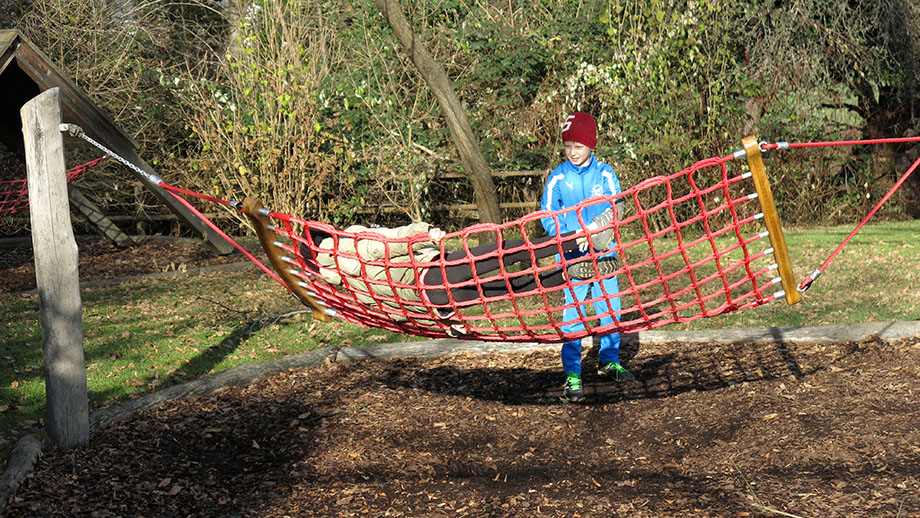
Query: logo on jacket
point(570, 184)
point(597, 190)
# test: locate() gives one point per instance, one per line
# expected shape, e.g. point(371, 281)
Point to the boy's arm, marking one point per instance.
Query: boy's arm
point(551, 201)
point(620, 202)
point(613, 182)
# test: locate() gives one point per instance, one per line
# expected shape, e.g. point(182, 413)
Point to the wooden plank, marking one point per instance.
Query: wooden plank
point(233, 377)
point(135, 219)
point(7, 37)
point(168, 217)
point(464, 207)
point(252, 208)
point(19, 466)
point(56, 274)
point(74, 101)
point(95, 216)
point(8, 46)
point(472, 206)
point(214, 240)
point(771, 220)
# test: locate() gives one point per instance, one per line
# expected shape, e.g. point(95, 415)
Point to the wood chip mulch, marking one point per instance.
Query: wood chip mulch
point(743, 430)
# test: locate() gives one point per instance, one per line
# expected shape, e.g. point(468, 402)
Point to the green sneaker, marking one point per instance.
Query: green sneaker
point(615, 371)
point(573, 391)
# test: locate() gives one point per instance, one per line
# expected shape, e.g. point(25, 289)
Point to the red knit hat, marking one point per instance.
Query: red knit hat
point(580, 127)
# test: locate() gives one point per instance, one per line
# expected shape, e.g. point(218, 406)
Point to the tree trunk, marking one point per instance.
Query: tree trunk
point(233, 11)
point(467, 144)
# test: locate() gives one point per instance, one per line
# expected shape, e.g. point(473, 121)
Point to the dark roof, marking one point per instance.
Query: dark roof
point(25, 71)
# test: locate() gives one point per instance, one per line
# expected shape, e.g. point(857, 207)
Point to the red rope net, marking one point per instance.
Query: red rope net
point(14, 189)
point(689, 245)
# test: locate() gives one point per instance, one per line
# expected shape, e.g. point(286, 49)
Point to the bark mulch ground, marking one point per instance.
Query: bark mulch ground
point(802, 430)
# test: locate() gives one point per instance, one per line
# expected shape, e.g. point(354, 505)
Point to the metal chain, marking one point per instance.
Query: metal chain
point(76, 131)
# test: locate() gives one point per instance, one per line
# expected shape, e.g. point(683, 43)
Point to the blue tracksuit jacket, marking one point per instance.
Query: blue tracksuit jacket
point(566, 186)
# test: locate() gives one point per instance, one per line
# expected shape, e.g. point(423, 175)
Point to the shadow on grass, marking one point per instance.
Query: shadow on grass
point(205, 361)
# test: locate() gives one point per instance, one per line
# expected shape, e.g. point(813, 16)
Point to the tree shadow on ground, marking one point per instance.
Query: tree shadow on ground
point(660, 373)
point(204, 361)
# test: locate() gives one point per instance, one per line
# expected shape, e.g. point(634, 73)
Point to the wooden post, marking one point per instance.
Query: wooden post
point(56, 274)
point(220, 245)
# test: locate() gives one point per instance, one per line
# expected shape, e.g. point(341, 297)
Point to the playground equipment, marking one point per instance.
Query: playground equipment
point(25, 72)
point(690, 245)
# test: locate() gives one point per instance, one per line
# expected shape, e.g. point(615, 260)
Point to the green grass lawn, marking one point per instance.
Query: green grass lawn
point(154, 333)
point(876, 278)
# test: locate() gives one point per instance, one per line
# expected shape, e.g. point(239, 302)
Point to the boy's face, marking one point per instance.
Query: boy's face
point(578, 154)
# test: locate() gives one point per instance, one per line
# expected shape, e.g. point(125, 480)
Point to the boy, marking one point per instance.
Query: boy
point(583, 176)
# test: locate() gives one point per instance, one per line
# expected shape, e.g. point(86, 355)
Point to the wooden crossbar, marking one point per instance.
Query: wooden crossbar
point(252, 208)
point(771, 219)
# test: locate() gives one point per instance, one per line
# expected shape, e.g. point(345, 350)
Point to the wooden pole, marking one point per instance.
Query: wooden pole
point(771, 220)
point(56, 273)
point(214, 240)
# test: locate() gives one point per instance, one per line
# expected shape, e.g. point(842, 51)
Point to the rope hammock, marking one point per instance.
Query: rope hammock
point(698, 243)
point(690, 246)
point(14, 193)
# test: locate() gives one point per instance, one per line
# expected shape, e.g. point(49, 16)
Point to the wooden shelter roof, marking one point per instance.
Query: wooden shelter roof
point(25, 71)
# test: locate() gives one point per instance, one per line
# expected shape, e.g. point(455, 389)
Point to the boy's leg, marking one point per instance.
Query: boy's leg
point(606, 306)
point(571, 357)
point(608, 357)
point(571, 350)
point(571, 362)
point(610, 349)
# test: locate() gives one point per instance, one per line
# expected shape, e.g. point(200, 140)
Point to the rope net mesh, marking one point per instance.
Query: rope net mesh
point(14, 187)
point(689, 245)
